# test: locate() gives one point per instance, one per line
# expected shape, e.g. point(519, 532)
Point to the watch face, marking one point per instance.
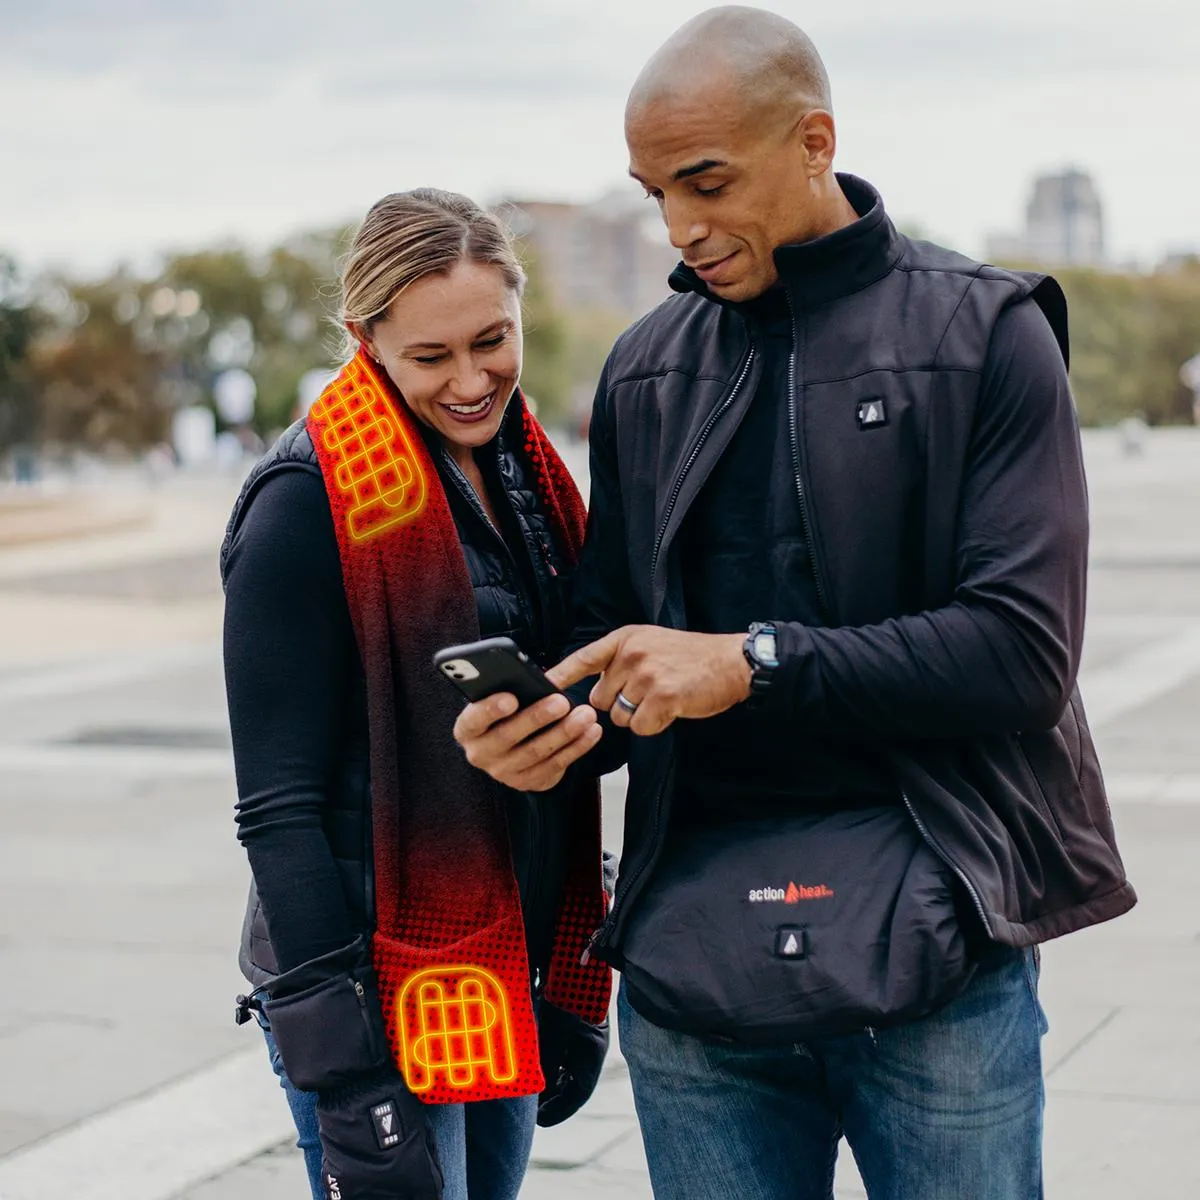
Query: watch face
point(764, 649)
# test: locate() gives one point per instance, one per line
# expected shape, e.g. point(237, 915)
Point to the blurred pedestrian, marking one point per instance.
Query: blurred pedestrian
point(408, 916)
point(833, 588)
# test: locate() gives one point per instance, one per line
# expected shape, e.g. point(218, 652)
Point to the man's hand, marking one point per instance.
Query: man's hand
point(531, 750)
point(665, 673)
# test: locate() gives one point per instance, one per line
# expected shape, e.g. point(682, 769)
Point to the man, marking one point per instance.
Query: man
point(867, 446)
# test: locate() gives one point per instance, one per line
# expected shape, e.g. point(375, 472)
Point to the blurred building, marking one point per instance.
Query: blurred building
point(612, 254)
point(1064, 224)
point(1178, 261)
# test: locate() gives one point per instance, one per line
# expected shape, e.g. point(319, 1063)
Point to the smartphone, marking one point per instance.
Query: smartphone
point(497, 664)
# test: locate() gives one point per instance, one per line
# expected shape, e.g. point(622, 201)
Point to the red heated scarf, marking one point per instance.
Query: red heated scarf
point(449, 943)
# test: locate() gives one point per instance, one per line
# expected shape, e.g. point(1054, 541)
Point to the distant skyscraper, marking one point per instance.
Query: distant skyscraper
point(1064, 224)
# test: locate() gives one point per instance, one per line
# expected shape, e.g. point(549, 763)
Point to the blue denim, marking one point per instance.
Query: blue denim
point(304, 1114)
point(483, 1148)
point(945, 1108)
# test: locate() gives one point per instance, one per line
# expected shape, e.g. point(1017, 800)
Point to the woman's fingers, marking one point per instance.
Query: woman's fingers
point(489, 727)
point(548, 773)
point(534, 743)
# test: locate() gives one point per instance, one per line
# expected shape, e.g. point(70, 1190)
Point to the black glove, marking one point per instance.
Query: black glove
point(326, 1018)
point(572, 1056)
point(376, 1142)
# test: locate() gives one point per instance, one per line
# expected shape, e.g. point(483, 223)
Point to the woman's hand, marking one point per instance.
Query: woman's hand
point(529, 750)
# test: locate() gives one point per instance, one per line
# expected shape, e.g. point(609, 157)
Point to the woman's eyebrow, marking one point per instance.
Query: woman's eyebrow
point(494, 327)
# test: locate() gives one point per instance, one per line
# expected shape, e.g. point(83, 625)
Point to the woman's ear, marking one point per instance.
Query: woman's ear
point(360, 334)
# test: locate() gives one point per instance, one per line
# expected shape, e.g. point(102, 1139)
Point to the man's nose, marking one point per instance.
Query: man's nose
point(684, 227)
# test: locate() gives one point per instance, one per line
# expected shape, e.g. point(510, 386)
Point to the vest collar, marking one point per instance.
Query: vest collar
point(828, 267)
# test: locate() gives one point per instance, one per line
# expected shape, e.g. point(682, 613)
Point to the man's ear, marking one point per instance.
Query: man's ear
point(819, 138)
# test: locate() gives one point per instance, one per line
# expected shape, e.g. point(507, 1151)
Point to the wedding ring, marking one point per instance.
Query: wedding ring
point(627, 704)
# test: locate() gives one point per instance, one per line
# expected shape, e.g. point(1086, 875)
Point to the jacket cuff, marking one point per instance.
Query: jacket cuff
point(331, 1032)
point(351, 957)
point(795, 683)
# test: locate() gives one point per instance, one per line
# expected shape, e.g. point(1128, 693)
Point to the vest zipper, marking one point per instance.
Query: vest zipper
point(601, 936)
point(936, 847)
point(536, 867)
point(468, 492)
point(539, 601)
point(472, 498)
point(691, 458)
point(793, 431)
point(549, 600)
point(547, 551)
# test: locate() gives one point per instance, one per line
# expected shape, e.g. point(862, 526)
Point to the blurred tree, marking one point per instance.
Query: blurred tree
point(590, 336)
point(270, 316)
point(99, 384)
point(19, 323)
point(107, 362)
point(546, 374)
point(1130, 334)
point(1174, 338)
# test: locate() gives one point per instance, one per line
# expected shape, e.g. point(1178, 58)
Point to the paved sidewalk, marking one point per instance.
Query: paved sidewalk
point(121, 882)
point(29, 516)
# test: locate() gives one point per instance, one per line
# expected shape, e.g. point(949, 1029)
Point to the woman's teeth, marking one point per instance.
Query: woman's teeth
point(469, 410)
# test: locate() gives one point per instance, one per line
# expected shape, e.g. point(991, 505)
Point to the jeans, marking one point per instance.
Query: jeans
point(945, 1108)
point(483, 1148)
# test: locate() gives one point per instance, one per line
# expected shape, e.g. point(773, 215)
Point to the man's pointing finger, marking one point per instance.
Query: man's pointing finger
point(587, 660)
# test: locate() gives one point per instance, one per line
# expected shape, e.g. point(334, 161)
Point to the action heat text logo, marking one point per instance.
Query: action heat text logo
point(793, 894)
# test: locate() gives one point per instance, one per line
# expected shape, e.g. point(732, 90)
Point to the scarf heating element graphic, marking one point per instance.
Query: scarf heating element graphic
point(449, 942)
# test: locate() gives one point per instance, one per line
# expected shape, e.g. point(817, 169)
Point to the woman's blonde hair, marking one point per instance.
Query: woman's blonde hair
point(408, 235)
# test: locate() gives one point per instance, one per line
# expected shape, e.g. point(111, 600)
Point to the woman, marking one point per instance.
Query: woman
point(408, 916)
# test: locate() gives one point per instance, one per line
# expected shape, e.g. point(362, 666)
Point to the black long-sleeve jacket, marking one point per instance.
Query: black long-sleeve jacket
point(946, 513)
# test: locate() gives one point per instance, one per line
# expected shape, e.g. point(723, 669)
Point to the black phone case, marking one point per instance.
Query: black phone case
point(502, 667)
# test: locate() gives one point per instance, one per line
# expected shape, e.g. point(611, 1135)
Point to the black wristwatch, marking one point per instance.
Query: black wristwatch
point(762, 655)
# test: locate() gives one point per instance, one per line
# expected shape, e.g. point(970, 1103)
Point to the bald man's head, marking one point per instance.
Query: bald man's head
point(766, 63)
point(729, 129)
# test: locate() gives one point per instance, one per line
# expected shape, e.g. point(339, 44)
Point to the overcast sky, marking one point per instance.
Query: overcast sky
point(133, 126)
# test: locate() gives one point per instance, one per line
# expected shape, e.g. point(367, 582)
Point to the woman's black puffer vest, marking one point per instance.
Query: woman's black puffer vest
point(521, 582)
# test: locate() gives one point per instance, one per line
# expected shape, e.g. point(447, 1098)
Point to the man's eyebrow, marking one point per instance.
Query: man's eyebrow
point(699, 168)
point(495, 327)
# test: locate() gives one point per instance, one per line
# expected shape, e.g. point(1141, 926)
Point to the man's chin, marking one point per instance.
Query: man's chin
point(737, 291)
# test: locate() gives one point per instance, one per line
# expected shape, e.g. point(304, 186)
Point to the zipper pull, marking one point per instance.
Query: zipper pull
point(585, 957)
point(547, 556)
